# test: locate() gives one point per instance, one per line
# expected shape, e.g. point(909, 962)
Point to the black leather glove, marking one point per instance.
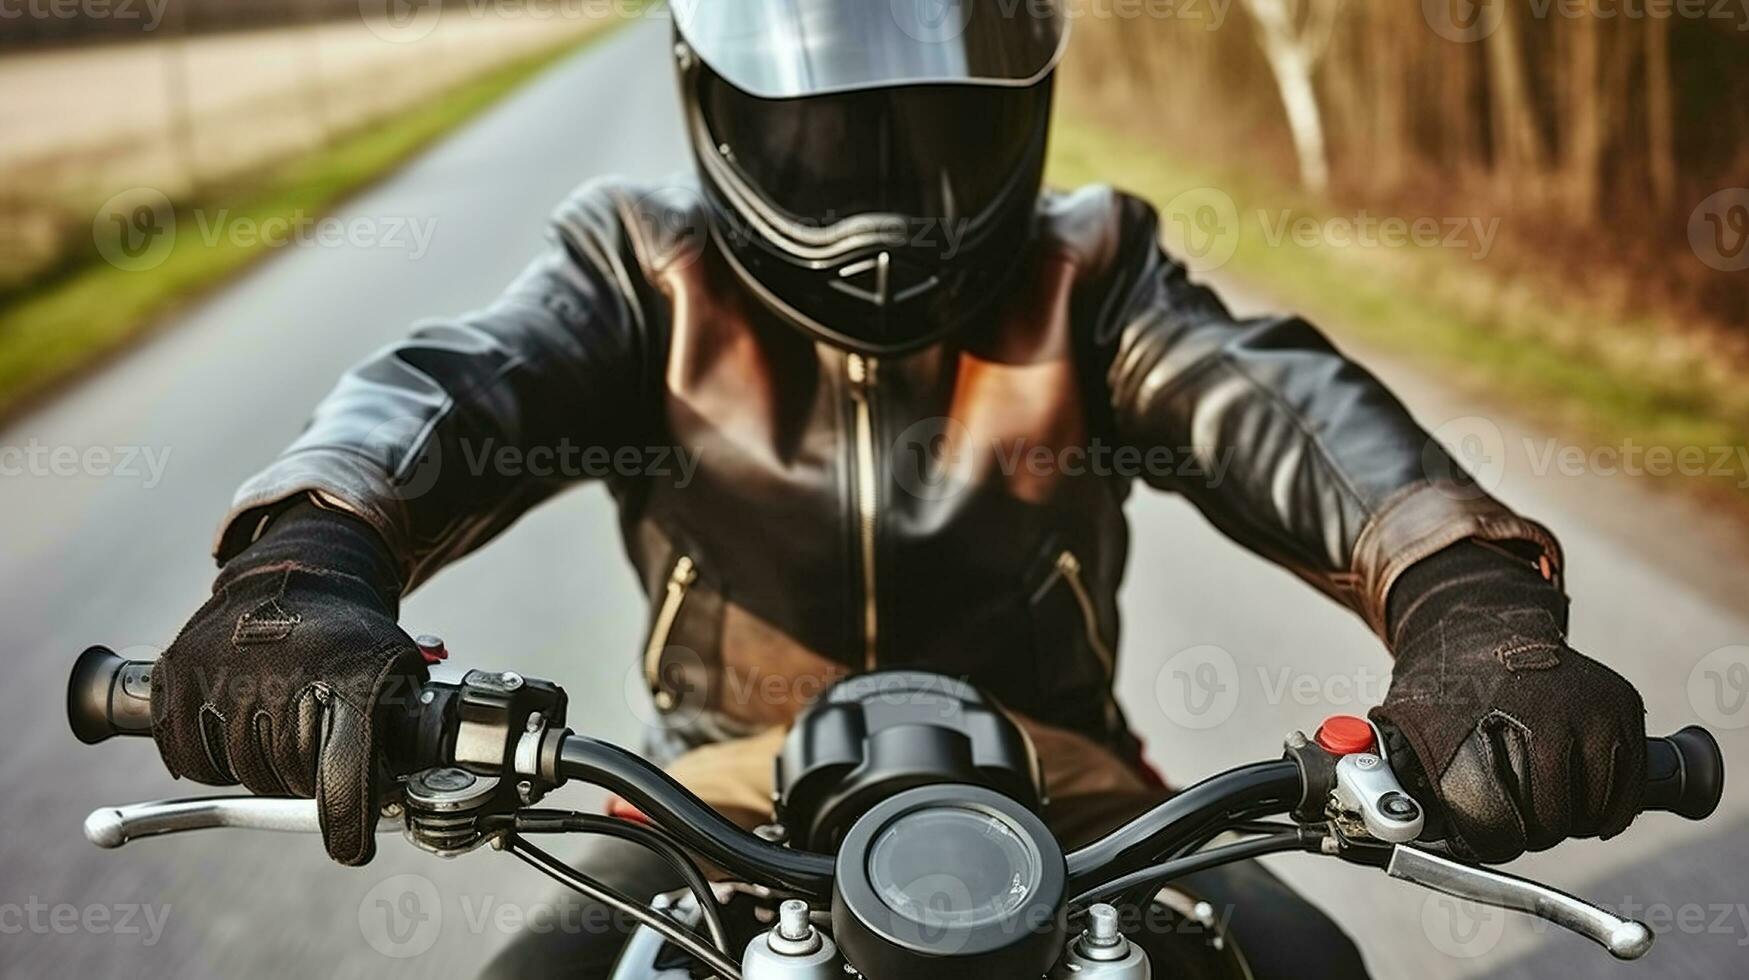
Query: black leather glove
point(284, 680)
point(1523, 741)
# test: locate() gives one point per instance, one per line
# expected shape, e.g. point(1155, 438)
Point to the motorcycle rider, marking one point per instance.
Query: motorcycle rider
point(852, 315)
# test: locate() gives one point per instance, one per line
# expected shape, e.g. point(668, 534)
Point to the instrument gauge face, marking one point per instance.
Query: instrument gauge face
point(950, 881)
point(953, 867)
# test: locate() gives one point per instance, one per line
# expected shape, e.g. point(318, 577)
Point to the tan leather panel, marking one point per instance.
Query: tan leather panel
point(1090, 789)
point(768, 678)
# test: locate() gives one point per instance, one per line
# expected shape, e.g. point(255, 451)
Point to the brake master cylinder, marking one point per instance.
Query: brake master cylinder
point(1102, 952)
point(792, 950)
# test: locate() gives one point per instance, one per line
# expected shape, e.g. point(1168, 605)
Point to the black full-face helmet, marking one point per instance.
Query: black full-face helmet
point(872, 167)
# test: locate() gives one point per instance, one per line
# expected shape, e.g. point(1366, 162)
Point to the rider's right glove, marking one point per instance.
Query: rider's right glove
point(1524, 741)
point(284, 680)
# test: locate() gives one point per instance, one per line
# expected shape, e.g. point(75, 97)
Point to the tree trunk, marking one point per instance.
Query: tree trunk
point(1388, 79)
point(1292, 60)
point(1660, 114)
point(1584, 124)
point(1518, 152)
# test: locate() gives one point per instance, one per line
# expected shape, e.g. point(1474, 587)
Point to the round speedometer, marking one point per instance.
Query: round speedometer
point(948, 879)
point(953, 866)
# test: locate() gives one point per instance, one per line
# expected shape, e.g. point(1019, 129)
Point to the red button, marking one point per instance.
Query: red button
point(432, 649)
point(1345, 735)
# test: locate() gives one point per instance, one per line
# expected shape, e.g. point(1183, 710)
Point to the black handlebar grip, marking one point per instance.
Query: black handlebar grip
point(108, 695)
point(1685, 773)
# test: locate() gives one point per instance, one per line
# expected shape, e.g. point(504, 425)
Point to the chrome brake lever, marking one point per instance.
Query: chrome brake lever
point(113, 826)
point(1625, 939)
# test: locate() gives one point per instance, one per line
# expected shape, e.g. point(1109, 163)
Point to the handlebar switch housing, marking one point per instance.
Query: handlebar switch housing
point(1369, 799)
point(497, 709)
point(444, 806)
point(501, 722)
point(1317, 776)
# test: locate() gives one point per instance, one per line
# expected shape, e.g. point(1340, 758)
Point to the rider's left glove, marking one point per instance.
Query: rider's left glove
point(1524, 741)
point(286, 679)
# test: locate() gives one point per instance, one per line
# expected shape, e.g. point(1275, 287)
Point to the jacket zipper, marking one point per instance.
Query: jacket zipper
point(861, 371)
point(1069, 568)
point(679, 581)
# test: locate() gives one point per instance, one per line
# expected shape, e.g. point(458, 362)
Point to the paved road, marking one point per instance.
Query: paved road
point(122, 559)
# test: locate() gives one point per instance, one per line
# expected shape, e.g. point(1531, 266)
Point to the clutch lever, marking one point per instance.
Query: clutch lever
point(1625, 939)
point(113, 826)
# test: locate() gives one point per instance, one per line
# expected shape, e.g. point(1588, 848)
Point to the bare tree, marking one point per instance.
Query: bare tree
point(1660, 115)
point(1519, 162)
point(1294, 35)
point(1585, 113)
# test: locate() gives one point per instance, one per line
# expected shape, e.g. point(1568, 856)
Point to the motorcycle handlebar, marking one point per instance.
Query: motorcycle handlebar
point(108, 695)
point(1685, 774)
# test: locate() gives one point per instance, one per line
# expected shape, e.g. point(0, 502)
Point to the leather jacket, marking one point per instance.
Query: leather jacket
point(960, 507)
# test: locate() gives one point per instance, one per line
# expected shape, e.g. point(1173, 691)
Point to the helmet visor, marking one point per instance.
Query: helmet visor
point(782, 49)
point(944, 152)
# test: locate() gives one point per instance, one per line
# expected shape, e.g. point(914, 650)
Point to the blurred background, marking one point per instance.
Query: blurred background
point(1531, 217)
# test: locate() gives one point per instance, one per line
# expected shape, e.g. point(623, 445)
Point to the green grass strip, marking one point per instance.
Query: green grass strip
point(1601, 380)
point(51, 332)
